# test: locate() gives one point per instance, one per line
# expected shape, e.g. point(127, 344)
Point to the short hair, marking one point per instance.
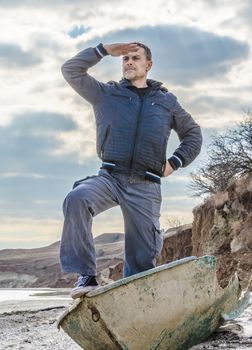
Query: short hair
point(147, 50)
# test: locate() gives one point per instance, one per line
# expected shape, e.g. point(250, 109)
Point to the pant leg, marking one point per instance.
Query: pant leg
point(92, 196)
point(143, 238)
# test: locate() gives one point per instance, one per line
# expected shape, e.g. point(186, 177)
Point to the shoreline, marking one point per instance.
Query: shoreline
point(32, 324)
point(32, 299)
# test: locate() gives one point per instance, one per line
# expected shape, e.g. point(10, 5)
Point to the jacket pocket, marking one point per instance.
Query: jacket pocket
point(105, 139)
point(122, 96)
point(163, 105)
point(164, 154)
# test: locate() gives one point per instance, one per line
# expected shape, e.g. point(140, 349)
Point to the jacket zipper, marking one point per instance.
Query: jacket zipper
point(136, 133)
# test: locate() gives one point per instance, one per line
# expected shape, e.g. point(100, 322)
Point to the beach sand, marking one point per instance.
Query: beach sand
point(31, 324)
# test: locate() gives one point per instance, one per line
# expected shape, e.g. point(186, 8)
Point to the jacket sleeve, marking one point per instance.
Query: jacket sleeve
point(75, 73)
point(189, 134)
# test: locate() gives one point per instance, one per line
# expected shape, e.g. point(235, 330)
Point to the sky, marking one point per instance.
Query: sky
point(201, 52)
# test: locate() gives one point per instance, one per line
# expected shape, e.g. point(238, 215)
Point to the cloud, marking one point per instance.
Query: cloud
point(198, 52)
point(244, 14)
point(27, 232)
point(42, 120)
point(182, 55)
point(36, 3)
point(222, 106)
point(12, 56)
point(77, 30)
point(43, 41)
point(31, 170)
point(30, 139)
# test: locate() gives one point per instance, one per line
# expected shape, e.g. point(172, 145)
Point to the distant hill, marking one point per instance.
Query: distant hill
point(39, 267)
point(109, 238)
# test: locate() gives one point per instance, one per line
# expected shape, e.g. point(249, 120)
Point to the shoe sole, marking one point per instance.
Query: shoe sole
point(79, 292)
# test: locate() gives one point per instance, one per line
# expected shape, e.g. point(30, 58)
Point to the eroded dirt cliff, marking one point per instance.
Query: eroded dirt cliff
point(222, 226)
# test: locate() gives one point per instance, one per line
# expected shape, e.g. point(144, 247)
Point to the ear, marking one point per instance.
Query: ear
point(148, 66)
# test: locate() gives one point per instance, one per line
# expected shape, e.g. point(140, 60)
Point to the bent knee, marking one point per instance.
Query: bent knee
point(74, 199)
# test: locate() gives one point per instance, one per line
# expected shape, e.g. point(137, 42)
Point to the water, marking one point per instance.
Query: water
point(24, 294)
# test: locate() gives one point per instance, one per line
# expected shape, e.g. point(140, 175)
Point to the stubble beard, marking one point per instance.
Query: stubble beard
point(130, 74)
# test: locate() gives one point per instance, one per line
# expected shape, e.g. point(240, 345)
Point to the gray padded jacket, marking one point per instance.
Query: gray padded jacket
point(132, 132)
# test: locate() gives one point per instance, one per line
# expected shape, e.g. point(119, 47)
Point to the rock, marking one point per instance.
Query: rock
point(116, 271)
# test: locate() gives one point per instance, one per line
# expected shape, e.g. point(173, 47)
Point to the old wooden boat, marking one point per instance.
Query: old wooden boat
point(170, 307)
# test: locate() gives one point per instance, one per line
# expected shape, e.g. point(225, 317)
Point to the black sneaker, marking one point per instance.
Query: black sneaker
point(83, 286)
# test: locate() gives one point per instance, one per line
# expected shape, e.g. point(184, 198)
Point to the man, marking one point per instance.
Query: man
point(134, 119)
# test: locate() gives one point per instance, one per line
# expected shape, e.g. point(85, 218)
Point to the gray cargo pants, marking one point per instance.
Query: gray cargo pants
point(140, 202)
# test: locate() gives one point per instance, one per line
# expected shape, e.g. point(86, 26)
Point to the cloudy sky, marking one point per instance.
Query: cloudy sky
point(201, 51)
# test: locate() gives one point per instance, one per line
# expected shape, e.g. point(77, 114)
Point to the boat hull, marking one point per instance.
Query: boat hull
point(171, 307)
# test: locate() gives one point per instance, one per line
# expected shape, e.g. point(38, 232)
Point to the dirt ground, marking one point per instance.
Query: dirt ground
point(33, 330)
point(37, 330)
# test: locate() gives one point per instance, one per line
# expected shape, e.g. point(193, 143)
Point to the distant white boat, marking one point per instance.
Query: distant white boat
point(170, 307)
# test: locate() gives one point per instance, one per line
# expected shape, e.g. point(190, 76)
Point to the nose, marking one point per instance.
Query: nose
point(129, 62)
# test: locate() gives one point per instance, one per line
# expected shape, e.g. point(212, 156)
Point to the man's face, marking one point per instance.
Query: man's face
point(135, 65)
